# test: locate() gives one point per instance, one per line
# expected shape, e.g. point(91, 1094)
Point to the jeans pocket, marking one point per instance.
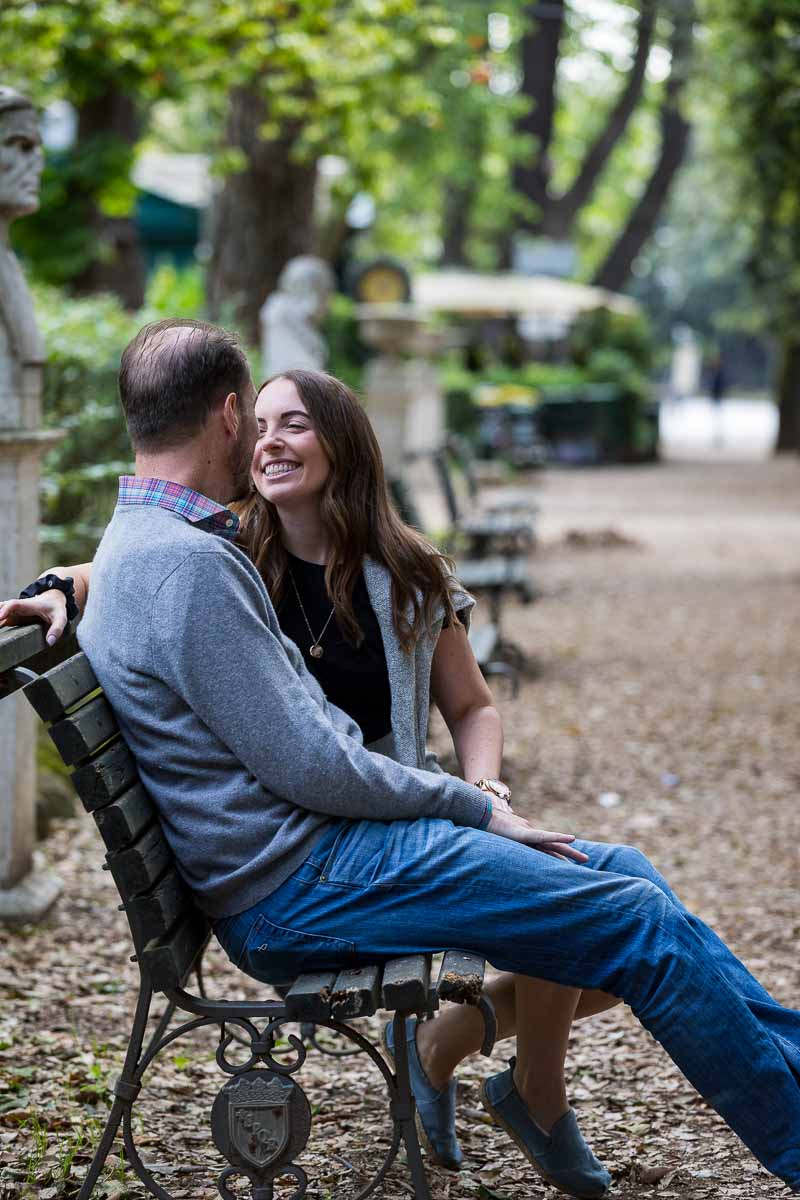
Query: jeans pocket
point(389, 854)
point(359, 855)
point(277, 954)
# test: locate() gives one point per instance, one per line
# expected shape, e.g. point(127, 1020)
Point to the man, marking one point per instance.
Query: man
point(308, 850)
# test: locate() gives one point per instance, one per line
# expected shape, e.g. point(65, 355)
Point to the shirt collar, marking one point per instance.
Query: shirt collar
point(138, 492)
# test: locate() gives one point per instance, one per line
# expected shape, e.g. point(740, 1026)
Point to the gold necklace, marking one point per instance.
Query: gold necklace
point(315, 649)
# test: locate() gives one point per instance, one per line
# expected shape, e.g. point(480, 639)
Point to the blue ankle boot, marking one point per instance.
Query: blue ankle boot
point(436, 1110)
point(561, 1156)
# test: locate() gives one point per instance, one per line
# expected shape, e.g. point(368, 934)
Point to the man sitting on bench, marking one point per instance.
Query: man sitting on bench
point(309, 852)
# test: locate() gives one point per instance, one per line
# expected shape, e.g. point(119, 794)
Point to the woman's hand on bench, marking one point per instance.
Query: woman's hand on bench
point(50, 609)
point(517, 829)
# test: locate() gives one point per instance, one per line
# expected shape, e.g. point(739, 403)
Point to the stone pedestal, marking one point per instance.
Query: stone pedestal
point(25, 893)
point(403, 396)
point(425, 419)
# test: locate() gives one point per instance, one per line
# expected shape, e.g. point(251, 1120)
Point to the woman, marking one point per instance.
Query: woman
point(383, 627)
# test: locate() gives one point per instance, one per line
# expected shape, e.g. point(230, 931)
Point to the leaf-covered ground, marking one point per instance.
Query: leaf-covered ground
point(662, 709)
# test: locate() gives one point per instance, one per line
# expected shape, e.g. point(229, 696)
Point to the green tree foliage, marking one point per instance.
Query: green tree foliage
point(111, 59)
point(420, 98)
point(754, 55)
point(361, 81)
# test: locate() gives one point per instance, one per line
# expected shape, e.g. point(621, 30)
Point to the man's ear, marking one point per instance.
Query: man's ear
point(232, 414)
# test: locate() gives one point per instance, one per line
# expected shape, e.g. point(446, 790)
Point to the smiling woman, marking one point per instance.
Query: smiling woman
point(320, 495)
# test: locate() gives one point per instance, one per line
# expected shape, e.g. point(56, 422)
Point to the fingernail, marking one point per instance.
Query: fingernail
point(50, 639)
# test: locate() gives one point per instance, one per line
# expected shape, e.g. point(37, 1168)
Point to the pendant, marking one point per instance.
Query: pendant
point(316, 650)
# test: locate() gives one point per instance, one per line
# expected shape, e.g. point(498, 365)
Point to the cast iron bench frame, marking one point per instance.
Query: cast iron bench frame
point(170, 935)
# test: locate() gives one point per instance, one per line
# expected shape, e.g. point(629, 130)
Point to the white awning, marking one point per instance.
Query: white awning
point(182, 178)
point(482, 295)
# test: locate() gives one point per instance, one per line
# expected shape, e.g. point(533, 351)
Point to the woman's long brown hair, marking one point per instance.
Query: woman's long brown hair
point(358, 516)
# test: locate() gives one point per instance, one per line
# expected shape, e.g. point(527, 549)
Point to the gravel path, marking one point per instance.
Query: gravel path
point(662, 711)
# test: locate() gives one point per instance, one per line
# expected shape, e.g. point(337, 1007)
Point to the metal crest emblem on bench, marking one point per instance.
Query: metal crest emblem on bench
point(260, 1119)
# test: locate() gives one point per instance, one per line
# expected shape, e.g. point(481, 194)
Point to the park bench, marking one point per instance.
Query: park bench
point(506, 500)
point(505, 528)
point(260, 1119)
point(496, 578)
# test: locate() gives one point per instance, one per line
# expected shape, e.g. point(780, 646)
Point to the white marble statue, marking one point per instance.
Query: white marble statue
point(21, 349)
point(26, 893)
point(290, 316)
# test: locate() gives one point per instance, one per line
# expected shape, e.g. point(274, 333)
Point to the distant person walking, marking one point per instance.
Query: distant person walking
point(718, 381)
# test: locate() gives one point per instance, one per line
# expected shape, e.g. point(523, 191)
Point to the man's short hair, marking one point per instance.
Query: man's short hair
point(172, 375)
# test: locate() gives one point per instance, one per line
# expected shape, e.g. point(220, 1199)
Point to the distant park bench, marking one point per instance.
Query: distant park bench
point(504, 573)
point(261, 1118)
point(504, 526)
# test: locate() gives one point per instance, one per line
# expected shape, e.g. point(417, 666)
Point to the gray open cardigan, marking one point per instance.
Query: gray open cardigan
point(409, 673)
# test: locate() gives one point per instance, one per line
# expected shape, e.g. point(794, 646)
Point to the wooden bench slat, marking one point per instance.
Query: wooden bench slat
point(154, 913)
point(483, 640)
point(25, 646)
point(121, 821)
point(309, 997)
point(78, 736)
point(169, 960)
point(461, 977)
point(18, 644)
point(405, 983)
point(492, 573)
point(497, 525)
point(62, 687)
point(356, 992)
point(136, 869)
point(105, 776)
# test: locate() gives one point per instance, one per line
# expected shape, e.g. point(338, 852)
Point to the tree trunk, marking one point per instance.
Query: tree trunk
point(262, 218)
point(615, 271)
point(560, 213)
point(789, 397)
point(548, 215)
point(539, 56)
point(113, 123)
point(459, 198)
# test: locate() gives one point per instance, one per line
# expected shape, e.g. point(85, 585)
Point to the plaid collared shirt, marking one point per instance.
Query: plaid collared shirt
point(137, 492)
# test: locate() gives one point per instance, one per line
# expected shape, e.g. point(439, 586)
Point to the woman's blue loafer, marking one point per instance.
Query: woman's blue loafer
point(436, 1110)
point(561, 1157)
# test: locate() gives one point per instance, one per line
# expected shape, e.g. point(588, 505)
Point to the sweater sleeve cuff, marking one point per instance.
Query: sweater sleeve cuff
point(466, 804)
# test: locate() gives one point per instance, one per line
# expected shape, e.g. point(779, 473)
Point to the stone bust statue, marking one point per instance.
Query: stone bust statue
point(290, 317)
point(21, 349)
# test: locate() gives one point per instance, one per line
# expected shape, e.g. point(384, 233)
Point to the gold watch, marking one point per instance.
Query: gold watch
point(495, 787)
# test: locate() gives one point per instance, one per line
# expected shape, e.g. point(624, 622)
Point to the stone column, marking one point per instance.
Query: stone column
point(404, 402)
point(25, 893)
point(402, 391)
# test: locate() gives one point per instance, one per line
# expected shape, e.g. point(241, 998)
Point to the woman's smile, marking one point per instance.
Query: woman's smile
point(273, 470)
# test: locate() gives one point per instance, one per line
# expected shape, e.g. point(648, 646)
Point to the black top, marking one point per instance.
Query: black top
point(353, 678)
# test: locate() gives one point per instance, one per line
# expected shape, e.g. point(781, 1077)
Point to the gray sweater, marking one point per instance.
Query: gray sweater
point(409, 672)
point(234, 740)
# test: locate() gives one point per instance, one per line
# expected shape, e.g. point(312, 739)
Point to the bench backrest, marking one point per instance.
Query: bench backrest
point(168, 929)
point(442, 466)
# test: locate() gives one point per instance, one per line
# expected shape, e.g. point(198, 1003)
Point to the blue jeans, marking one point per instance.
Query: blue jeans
point(371, 890)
